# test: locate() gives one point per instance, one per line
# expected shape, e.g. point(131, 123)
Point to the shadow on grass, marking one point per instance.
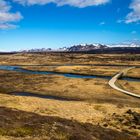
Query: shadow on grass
point(116, 100)
point(28, 94)
point(17, 123)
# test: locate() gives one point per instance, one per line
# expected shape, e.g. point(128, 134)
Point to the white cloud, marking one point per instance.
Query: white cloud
point(102, 23)
point(4, 6)
point(133, 32)
point(6, 17)
point(134, 16)
point(9, 17)
point(120, 21)
point(7, 26)
point(75, 3)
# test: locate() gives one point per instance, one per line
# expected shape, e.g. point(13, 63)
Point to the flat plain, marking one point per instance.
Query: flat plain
point(56, 107)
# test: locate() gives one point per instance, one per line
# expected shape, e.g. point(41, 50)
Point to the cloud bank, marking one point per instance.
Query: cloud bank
point(7, 19)
point(134, 15)
point(75, 3)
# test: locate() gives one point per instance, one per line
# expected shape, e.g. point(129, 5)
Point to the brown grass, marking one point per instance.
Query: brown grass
point(91, 90)
point(25, 124)
point(65, 58)
point(85, 70)
point(130, 86)
point(79, 109)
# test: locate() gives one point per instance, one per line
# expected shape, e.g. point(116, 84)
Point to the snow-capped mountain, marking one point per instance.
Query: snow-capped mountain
point(86, 47)
point(126, 44)
point(90, 47)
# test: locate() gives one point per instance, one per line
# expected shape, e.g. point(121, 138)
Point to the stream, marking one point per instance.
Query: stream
point(69, 75)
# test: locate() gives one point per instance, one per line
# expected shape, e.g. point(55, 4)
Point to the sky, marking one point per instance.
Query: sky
point(27, 24)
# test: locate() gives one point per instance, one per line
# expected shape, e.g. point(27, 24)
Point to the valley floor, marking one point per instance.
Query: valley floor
point(78, 109)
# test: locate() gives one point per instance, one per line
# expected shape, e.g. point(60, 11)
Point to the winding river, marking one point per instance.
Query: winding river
point(20, 69)
point(69, 75)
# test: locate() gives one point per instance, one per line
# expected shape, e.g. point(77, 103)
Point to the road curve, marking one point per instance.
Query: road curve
point(113, 81)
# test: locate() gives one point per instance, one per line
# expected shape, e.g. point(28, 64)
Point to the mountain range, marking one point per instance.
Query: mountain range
point(125, 46)
point(95, 47)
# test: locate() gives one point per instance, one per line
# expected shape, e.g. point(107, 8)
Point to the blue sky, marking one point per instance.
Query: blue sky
point(26, 24)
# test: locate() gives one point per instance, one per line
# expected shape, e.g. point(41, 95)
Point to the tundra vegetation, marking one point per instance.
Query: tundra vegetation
point(68, 108)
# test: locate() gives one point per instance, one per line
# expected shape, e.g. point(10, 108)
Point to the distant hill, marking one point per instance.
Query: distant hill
point(37, 50)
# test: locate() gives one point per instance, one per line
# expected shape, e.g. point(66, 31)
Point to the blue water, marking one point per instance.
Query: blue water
point(19, 69)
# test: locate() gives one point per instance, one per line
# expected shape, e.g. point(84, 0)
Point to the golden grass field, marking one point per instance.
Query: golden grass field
point(79, 109)
point(70, 58)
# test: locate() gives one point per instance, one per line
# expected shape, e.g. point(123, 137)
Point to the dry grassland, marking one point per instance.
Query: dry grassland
point(73, 109)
